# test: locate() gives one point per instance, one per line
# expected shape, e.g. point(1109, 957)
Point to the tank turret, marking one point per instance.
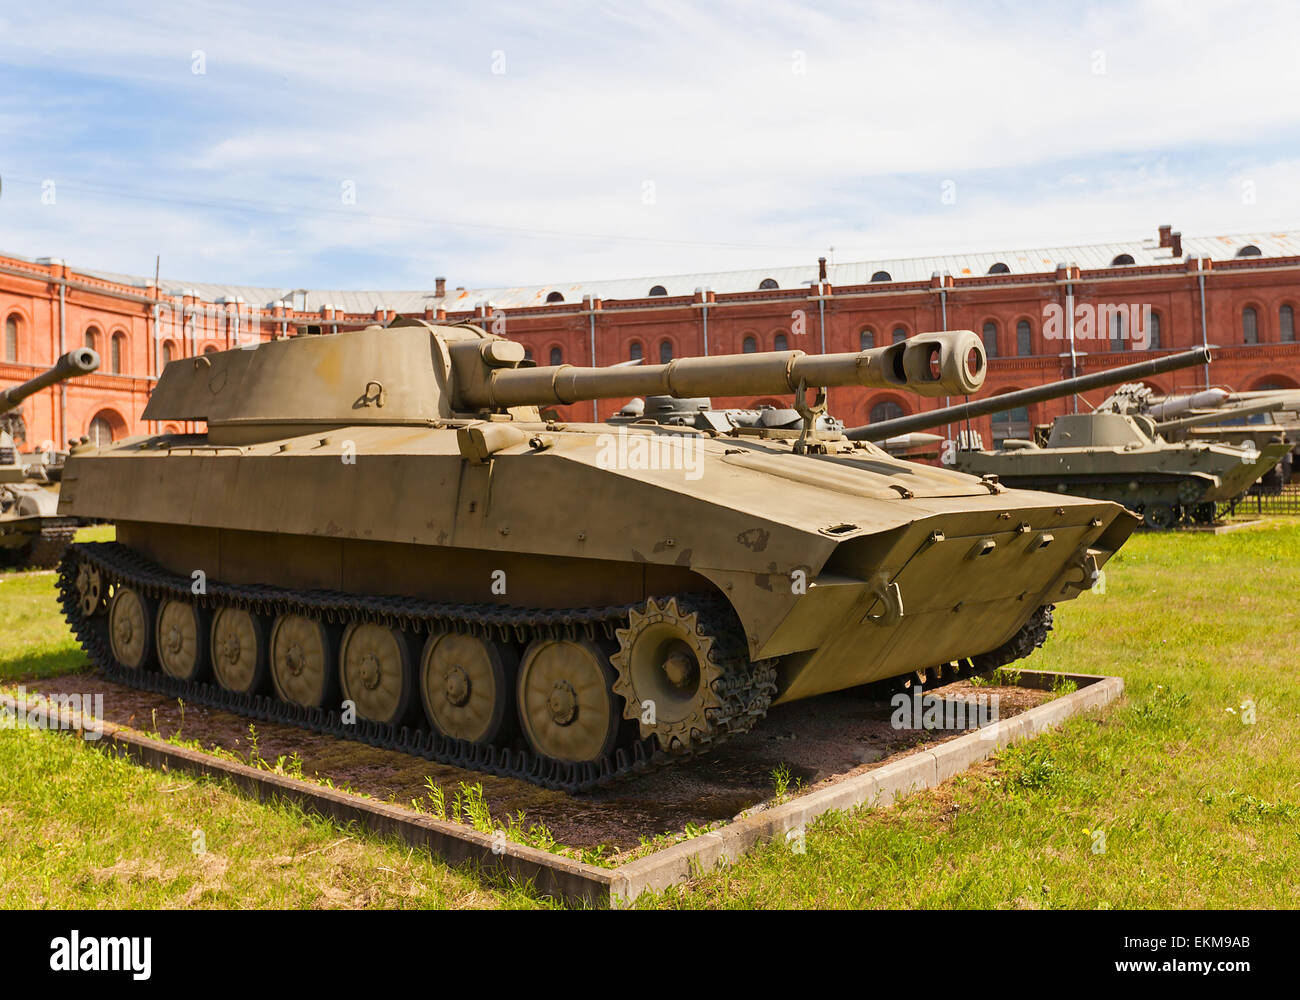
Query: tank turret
point(417, 373)
point(82, 361)
point(31, 532)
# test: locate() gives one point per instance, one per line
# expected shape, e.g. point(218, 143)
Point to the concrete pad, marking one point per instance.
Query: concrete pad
point(575, 881)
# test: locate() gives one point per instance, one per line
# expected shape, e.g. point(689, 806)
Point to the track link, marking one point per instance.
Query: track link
point(747, 688)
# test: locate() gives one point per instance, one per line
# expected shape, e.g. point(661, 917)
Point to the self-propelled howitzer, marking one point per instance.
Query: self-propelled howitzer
point(381, 519)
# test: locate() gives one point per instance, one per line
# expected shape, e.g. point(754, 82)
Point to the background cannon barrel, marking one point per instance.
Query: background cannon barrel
point(1023, 397)
point(1220, 416)
point(1176, 406)
point(82, 361)
point(930, 364)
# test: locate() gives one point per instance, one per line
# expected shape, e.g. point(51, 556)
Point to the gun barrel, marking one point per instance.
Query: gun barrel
point(82, 361)
point(1023, 397)
point(1220, 416)
point(930, 364)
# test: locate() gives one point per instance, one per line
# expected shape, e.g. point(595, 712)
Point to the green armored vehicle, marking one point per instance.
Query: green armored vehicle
point(32, 532)
point(377, 537)
point(1262, 418)
point(1113, 453)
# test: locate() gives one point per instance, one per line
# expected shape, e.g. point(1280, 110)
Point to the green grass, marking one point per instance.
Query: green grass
point(1193, 807)
point(81, 829)
point(34, 641)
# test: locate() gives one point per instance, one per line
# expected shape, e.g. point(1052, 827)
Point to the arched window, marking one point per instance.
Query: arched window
point(167, 353)
point(116, 351)
point(18, 429)
point(665, 351)
point(1024, 338)
point(767, 283)
point(101, 431)
point(212, 350)
point(991, 339)
point(92, 337)
point(888, 410)
point(779, 343)
point(1117, 332)
point(1286, 325)
point(557, 356)
point(1249, 250)
point(11, 338)
point(1122, 259)
point(658, 290)
point(1153, 329)
point(1249, 326)
point(881, 276)
point(749, 346)
point(899, 334)
point(635, 352)
point(555, 297)
point(1010, 424)
point(866, 340)
point(528, 353)
point(999, 268)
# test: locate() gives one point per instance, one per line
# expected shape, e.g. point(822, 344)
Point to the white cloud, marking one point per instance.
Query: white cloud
point(708, 104)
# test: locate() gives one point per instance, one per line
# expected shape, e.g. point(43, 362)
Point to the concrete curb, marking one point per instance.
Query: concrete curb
point(453, 842)
point(583, 883)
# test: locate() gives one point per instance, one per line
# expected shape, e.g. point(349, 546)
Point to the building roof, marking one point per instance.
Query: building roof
point(1146, 252)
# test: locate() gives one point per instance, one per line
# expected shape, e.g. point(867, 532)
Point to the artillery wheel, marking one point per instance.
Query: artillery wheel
point(91, 596)
point(667, 676)
point(375, 672)
point(1160, 516)
point(466, 684)
point(182, 637)
point(566, 700)
point(303, 661)
point(238, 650)
point(1205, 513)
point(130, 628)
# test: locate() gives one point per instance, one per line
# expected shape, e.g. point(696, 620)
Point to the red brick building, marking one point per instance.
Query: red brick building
point(1238, 292)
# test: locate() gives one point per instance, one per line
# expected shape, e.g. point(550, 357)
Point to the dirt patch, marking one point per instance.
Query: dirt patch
point(818, 740)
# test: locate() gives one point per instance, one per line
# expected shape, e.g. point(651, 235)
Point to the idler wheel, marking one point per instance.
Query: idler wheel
point(1160, 516)
point(239, 656)
point(304, 667)
point(375, 672)
point(566, 701)
point(666, 675)
point(90, 590)
point(130, 628)
point(182, 639)
point(467, 686)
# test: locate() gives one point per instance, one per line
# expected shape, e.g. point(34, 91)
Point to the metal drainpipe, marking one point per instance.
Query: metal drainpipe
point(704, 317)
point(1069, 319)
point(1205, 337)
point(591, 315)
point(63, 386)
point(821, 312)
point(943, 318)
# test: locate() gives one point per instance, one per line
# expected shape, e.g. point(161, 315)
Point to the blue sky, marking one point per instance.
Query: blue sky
point(516, 143)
